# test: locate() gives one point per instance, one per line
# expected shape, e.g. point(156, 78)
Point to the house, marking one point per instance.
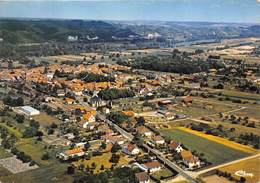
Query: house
point(129, 113)
point(187, 100)
point(30, 111)
point(89, 120)
point(190, 160)
point(144, 131)
point(131, 149)
point(69, 101)
point(142, 177)
point(96, 101)
point(152, 166)
point(60, 92)
point(73, 153)
point(119, 139)
point(166, 114)
point(158, 140)
point(175, 146)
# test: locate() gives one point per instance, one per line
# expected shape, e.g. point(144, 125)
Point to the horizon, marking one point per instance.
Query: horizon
point(219, 11)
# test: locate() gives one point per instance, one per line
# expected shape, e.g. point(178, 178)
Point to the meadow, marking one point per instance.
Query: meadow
point(214, 152)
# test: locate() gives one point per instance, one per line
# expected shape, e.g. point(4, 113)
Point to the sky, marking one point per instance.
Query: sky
point(242, 11)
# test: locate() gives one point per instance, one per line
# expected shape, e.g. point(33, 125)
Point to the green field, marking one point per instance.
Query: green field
point(213, 152)
point(4, 153)
point(4, 172)
point(53, 173)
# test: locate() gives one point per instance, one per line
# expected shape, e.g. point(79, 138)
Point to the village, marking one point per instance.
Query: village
point(89, 115)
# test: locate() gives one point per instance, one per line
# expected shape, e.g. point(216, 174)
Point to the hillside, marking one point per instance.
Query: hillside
point(28, 31)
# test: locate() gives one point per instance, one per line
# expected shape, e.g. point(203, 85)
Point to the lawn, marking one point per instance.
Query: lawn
point(102, 160)
point(12, 130)
point(4, 153)
point(35, 150)
point(164, 172)
point(46, 120)
point(249, 165)
point(213, 152)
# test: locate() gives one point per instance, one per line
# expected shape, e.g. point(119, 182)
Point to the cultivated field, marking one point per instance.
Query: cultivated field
point(214, 152)
point(251, 166)
point(220, 140)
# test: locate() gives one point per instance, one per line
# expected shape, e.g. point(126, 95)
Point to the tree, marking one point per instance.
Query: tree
point(114, 158)
point(19, 118)
point(103, 145)
point(45, 156)
point(86, 146)
point(116, 147)
point(70, 170)
point(93, 165)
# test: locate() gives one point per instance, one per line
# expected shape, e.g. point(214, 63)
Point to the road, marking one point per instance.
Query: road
point(172, 165)
point(119, 129)
point(154, 151)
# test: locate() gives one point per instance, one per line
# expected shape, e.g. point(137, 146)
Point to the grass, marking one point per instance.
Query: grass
point(241, 95)
point(214, 152)
point(4, 153)
point(220, 140)
point(12, 130)
point(249, 165)
point(46, 120)
point(4, 172)
point(102, 160)
point(197, 110)
point(162, 173)
point(53, 173)
point(35, 150)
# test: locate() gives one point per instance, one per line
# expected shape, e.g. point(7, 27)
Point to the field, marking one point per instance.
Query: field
point(199, 109)
point(215, 178)
point(249, 166)
point(35, 150)
point(213, 151)
point(240, 95)
point(4, 172)
point(162, 173)
point(54, 173)
point(102, 160)
point(46, 120)
point(228, 143)
point(4, 153)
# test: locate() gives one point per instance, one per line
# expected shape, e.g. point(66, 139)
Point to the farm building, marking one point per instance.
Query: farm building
point(28, 110)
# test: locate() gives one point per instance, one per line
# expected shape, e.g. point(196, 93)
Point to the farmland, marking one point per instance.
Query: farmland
point(213, 151)
point(249, 166)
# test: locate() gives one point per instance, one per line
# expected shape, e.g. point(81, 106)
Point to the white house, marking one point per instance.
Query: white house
point(144, 131)
point(131, 149)
point(190, 160)
point(175, 146)
point(158, 140)
point(73, 153)
point(152, 166)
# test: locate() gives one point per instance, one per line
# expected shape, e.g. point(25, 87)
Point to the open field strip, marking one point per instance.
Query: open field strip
point(228, 143)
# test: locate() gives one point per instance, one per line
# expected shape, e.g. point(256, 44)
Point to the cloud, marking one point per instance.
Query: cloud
point(258, 1)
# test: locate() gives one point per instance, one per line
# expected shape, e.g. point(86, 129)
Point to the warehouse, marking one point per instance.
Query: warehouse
point(28, 110)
